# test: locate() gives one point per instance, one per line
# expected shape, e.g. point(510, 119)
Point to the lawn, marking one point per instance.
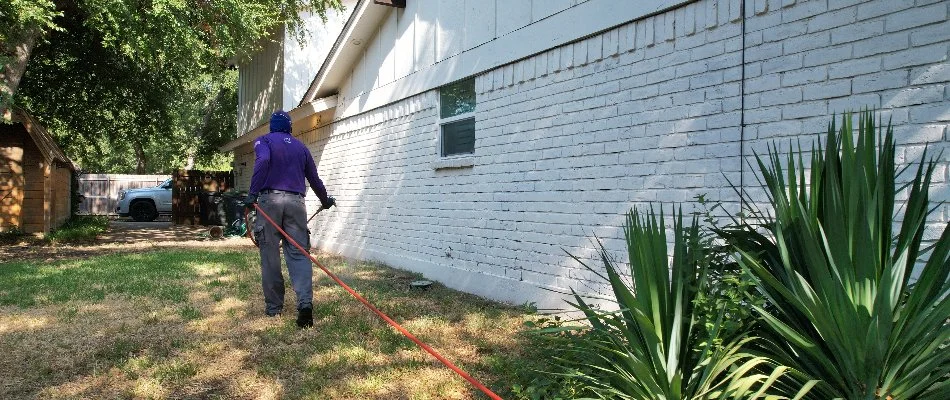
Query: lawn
point(188, 323)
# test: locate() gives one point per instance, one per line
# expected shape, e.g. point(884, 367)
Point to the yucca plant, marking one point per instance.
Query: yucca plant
point(653, 346)
point(835, 264)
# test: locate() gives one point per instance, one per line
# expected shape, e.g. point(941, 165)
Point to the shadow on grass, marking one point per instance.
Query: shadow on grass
point(189, 323)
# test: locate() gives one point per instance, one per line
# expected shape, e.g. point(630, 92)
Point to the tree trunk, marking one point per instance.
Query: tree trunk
point(12, 72)
point(140, 162)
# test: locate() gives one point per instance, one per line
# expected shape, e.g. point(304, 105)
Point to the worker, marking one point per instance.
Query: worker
point(281, 165)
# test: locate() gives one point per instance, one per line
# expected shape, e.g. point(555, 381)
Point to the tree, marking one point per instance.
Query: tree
point(136, 84)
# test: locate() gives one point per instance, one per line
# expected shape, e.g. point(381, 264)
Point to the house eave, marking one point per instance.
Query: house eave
point(356, 34)
point(298, 113)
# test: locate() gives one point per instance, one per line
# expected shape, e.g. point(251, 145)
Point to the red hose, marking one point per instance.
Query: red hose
point(386, 318)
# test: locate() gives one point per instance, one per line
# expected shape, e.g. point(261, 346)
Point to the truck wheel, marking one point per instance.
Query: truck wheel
point(143, 211)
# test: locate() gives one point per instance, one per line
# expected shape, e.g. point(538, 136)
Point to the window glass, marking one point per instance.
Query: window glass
point(458, 137)
point(457, 98)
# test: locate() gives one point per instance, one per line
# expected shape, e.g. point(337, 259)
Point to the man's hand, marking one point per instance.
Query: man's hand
point(329, 203)
point(250, 200)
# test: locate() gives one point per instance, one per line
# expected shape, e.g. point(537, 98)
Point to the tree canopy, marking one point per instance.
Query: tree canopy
point(137, 85)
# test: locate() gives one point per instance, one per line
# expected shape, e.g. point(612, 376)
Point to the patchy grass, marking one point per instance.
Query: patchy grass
point(190, 324)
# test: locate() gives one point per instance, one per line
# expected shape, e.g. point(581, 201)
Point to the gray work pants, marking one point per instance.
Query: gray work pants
point(289, 211)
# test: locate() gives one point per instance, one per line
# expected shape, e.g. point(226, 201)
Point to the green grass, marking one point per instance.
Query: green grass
point(80, 229)
point(189, 323)
point(155, 274)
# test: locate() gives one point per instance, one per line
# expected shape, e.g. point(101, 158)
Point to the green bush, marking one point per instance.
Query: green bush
point(835, 264)
point(657, 344)
point(80, 228)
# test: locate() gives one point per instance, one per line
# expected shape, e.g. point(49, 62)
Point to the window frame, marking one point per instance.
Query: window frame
point(441, 122)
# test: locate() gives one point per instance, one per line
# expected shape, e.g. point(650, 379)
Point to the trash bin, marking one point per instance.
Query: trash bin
point(212, 209)
point(234, 213)
point(233, 206)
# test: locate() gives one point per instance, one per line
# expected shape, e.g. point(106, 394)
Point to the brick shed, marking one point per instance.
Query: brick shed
point(35, 177)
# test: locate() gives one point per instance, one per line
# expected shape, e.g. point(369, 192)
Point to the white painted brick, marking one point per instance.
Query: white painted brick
point(781, 96)
point(881, 44)
point(854, 103)
point(595, 47)
point(915, 17)
point(759, 53)
point(935, 73)
point(858, 31)
point(803, 110)
point(763, 22)
point(708, 51)
point(914, 96)
point(879, 81)
point(735, 10)
point(610, 44)
point(878, 8)
point(761, 115)
point(620, 130)
point(705, 80)
point(919, 134)
point(916, 56)
point(852, 68)
point(928, 114)
point(931, 34)
point(803, 10)
point(712, 13)
point(782, 64)
point(782, 128)
point(645, 32)
point(804, 76)
point(689, 23)
point(667, 33)
point(836, 4)
point(826, 90)
point(827, 55)
point(806, 42)
point(580, 53)
point(833, 19)
point(785, 31)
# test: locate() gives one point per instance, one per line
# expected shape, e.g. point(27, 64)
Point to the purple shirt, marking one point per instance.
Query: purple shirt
point(282, 162)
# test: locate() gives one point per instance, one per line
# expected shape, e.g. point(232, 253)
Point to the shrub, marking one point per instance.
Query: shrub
point(835, 265)
point(80, 228)
point(656, 345)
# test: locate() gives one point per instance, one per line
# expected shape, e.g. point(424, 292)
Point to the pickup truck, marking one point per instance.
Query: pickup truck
point(145, 204)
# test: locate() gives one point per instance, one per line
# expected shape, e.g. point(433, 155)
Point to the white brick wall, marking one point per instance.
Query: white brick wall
point(570, 139)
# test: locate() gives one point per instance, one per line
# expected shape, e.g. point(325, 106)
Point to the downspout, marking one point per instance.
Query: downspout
point(742, 162)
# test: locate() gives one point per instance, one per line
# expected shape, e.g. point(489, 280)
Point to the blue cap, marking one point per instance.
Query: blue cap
point(280, 122)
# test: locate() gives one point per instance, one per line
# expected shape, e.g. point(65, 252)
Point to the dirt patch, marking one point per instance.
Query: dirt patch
point(121, 237)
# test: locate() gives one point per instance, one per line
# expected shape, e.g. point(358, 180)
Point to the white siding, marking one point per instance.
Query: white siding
point(302, 63)
point(260, 83)
point(569, 139)
point(454, 39)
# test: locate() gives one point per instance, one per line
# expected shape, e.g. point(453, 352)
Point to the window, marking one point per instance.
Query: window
point(457, 117)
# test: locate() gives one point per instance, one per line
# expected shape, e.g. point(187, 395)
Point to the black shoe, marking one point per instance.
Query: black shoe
point(305, 318)
point(272, 313)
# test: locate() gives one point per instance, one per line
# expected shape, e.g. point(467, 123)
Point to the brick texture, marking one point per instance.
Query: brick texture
point(570, 139)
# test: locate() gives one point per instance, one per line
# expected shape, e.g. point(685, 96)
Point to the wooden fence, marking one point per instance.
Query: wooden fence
point(189, 186)
point(101, 191)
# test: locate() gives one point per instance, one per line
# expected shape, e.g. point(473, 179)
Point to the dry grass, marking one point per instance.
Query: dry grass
point(188, 323)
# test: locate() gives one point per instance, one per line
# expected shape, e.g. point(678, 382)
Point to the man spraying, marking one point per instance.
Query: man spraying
point(282, 163)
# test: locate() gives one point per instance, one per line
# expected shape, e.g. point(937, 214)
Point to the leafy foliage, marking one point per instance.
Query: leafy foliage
point(80, 228)
point(650, 348)
point(144, 85)
point(836, 263)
